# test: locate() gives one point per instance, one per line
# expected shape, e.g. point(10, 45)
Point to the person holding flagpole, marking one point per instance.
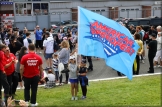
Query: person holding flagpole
point(83, 78)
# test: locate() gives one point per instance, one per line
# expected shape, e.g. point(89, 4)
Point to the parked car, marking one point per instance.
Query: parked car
point(65, 28)
point(145, 22)
point(63, 23)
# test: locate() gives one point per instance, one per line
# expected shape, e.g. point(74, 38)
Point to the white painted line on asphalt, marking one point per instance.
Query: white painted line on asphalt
point(142, 75)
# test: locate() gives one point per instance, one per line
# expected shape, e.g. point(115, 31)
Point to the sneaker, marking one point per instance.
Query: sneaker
point(72, 98)
point(40, 52)
point(159, 66)
point(47, 68)
point(83, 97)
point(27, 103)
point(143, 61)
point(33, 105)
point(76, 98)
point(155, 66)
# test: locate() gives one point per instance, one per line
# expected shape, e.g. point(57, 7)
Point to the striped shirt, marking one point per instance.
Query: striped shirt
point(55, 63)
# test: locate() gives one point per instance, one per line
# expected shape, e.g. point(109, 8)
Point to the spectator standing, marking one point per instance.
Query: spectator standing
point(38, 36)
point(31, 70)
point(73, 30)
point(138, 31)
point(63, 56)
point(159, 48)
point(153, 30)
point(132, 29)
point(152, 47)
point(19, 55)
point(27, 40)
point(73, 77)
point(139, 53)
point(44, 32)
point(55, 61)
point(24, 33)
point(19, 38)
point(14, 45)
point(48, 49)
point(3, 77)
point(51, 32)
point(2, 33)
point(7, 38)
point(12, 78)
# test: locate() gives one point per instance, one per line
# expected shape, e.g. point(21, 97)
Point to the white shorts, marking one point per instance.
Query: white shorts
point(158, 55)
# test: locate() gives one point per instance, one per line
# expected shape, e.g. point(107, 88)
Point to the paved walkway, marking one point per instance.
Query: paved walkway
point(100, 70)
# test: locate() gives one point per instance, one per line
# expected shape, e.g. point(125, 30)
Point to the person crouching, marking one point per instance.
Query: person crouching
point(50, 79)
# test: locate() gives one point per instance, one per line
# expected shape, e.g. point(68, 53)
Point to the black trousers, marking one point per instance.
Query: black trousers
point(138, 66)
point(67, 74)
point(84, 90)
point(151, 57)
point(33, 84)
point(13, 82)
point(4, 83)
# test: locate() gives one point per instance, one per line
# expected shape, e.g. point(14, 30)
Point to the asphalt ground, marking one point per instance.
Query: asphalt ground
point(101, 70)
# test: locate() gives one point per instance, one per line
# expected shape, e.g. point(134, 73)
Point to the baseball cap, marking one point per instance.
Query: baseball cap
point(153, 35)
point(72, 57)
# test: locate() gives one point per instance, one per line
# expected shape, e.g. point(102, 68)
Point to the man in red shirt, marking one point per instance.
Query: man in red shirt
point(9, 67)
point(31, 69)
point(3, 78)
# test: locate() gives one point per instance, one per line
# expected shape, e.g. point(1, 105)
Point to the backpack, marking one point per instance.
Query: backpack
point(146, 36)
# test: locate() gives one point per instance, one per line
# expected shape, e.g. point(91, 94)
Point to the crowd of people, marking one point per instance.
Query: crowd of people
point(20, 59)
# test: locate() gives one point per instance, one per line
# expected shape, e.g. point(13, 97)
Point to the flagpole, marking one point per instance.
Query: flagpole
point(78, 28)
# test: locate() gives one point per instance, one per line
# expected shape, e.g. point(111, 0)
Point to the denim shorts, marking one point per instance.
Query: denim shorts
point(73, 80)
point(48, 56)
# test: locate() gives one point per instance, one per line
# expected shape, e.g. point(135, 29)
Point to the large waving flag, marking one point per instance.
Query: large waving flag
point(102, 37)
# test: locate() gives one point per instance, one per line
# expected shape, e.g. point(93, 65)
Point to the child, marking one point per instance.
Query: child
point(42, 78)
point(55, 66)
point(82, 77)
point(73, 78)
point(50, 79)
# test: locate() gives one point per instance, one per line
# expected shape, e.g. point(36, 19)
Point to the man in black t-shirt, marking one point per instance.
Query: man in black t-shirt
point(152, 46)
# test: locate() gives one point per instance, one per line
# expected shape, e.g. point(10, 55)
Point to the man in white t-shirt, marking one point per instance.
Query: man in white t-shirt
point(27, 40)
point(48, 49)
